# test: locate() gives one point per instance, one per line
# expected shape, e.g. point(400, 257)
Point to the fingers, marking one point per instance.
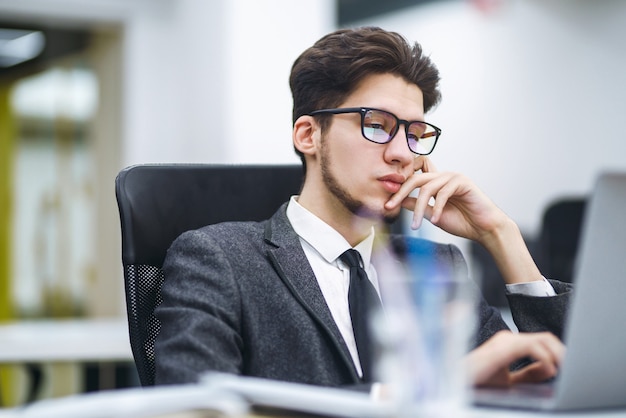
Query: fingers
point(424, 164)
point(546, 350)
point(490, 363)
point(448, 200)
point(432, 197)
point(442, 193)
point(541, 346)
point(435, 190)
point(421, 165)
point(536, 372)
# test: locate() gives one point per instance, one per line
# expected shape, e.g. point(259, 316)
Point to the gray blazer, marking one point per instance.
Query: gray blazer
point(241, 297)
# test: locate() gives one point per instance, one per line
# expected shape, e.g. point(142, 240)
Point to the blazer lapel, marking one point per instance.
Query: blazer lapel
point(292, 266)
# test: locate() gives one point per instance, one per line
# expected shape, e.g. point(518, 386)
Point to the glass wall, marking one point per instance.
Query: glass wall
point(53, 203)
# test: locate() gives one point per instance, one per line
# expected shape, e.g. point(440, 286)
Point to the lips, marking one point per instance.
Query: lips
point(392, 182)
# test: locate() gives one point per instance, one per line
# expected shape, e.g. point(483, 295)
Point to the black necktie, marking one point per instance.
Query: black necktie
point(362, 300)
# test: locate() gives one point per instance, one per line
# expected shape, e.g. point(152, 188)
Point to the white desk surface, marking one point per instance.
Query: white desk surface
point(230, 395)
point(174, 401)
point(71, 340)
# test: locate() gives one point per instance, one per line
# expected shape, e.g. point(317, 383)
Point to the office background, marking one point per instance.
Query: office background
point(533, 102)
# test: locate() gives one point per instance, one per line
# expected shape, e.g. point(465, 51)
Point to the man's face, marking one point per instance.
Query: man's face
point(361, 175)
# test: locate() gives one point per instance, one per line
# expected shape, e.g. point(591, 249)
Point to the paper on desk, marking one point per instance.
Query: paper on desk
point(296, 397)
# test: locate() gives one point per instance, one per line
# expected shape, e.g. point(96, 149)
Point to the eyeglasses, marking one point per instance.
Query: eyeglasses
point(381, 127)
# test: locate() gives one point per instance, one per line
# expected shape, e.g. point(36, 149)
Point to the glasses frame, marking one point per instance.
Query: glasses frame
point(363, 111)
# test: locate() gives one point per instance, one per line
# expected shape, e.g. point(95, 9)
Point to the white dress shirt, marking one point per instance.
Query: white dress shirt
point(323, 245)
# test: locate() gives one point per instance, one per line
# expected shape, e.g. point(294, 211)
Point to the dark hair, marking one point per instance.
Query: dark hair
point(324, 75)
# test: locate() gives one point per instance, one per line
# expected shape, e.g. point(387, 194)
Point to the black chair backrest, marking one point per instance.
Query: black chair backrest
point(158, 202)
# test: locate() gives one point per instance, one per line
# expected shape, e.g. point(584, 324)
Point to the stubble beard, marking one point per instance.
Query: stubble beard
point(354, 205)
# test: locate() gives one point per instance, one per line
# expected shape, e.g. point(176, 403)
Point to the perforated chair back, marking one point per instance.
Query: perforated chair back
point(158, 202)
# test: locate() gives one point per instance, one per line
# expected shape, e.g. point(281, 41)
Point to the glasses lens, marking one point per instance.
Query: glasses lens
point(422, 138)
point(379, 126)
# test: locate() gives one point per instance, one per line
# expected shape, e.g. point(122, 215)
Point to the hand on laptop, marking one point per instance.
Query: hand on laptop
point(489, 364)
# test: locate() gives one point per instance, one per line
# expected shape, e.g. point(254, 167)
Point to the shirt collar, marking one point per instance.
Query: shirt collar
point(329, 243)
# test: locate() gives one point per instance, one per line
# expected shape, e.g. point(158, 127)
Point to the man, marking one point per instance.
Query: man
point(270, 299)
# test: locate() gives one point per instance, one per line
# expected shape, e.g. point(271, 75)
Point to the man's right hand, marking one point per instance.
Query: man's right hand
point(489, 363)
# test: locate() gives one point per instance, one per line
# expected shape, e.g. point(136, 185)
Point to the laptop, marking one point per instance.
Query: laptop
point(593, 372)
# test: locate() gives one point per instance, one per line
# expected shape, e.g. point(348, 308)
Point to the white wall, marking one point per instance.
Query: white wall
point(534, 94)
point(263, 40)
point(207, 81)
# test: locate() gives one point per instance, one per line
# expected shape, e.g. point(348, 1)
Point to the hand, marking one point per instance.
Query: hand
point(459, 207)
point(489, 364)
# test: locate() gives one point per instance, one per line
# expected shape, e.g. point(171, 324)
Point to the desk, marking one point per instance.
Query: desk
point(173, 401)
point(62, 343)
point(72, 340)
point(107, 340)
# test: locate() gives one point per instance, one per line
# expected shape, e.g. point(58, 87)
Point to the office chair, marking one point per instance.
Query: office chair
point(158, 202)
point(559, 237)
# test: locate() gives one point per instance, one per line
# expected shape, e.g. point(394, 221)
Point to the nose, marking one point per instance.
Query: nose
point(397, 150)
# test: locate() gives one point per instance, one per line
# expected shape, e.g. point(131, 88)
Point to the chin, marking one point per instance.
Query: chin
point(391, 217)
point(378, 214)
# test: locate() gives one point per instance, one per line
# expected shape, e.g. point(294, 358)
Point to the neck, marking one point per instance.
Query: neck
point(352, 227)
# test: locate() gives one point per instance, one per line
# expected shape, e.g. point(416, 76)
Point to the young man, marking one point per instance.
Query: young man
point(270, 299)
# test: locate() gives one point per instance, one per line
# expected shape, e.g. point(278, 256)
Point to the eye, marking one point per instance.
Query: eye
point(374, 125)
point(375, 119)
point(417, 130)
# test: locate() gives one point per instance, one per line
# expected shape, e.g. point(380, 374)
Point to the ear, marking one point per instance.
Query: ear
point(306, 135)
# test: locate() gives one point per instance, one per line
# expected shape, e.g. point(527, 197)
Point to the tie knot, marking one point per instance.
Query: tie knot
point(352, 258)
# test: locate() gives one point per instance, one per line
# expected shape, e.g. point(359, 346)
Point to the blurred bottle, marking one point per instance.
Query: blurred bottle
point(424, 332)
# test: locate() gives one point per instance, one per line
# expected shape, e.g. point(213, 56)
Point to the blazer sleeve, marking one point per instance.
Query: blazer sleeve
point(530, 313)
point(535, 314)
point(199, 313)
